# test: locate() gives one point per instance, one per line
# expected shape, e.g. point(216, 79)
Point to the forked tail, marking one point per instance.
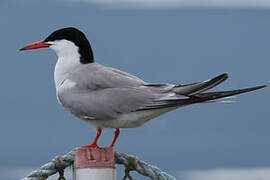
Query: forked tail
point(195, 93)
point(196, 90)
point(209, 96)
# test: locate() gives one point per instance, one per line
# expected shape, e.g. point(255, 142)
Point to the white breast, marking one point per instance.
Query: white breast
point(68, 59)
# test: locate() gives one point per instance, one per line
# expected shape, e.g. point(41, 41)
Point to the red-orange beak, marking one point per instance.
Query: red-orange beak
point(36, 45)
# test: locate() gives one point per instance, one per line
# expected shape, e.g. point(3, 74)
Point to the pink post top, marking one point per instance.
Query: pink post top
point(94, 157)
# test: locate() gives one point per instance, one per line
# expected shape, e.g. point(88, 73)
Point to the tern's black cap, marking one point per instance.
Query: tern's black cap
point(78, 38)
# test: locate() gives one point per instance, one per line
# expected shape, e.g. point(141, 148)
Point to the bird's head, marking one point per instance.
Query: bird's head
point(66, 42)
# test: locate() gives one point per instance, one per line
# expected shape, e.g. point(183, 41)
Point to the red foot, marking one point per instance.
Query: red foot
point(90, 146)
point(94, 144)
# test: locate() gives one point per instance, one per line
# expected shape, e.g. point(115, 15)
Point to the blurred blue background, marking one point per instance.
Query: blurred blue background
point(176, 44)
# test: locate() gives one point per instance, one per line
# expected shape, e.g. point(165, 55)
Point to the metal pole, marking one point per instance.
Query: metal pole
point(94, 164)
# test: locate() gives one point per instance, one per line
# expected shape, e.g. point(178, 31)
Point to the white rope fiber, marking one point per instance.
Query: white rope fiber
point(131, 163)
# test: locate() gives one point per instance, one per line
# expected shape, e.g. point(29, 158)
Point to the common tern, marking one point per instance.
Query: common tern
point(107, 97)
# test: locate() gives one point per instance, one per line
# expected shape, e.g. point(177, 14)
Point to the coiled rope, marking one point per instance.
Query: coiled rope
point(131, 163)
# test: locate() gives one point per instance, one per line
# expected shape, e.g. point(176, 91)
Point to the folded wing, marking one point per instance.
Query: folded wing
point(104, 93)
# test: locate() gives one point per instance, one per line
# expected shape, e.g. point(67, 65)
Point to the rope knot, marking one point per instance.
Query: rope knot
point(59, 166)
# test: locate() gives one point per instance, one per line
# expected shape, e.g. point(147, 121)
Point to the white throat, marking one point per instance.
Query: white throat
point(68, 59)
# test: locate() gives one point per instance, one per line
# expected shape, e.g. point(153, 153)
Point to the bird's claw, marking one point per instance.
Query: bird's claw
point(90, 146)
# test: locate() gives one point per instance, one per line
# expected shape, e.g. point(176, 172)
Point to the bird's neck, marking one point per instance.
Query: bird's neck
point(65, 65)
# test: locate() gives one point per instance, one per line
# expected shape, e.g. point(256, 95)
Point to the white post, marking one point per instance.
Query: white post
point(94, 164)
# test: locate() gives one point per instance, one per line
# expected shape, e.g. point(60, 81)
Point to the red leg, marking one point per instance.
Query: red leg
point(116, 134)
point(94, 144)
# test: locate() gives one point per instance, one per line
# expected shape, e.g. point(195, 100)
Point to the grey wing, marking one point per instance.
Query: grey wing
point(94, 76)
point(109, 103)
point(104, 93)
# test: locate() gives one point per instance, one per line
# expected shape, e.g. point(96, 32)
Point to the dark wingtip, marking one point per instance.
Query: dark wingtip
point(217, 95)
point(259, 87)
point(220, 78)
point(223, 76)
point(22, 49)
point(239, 91)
